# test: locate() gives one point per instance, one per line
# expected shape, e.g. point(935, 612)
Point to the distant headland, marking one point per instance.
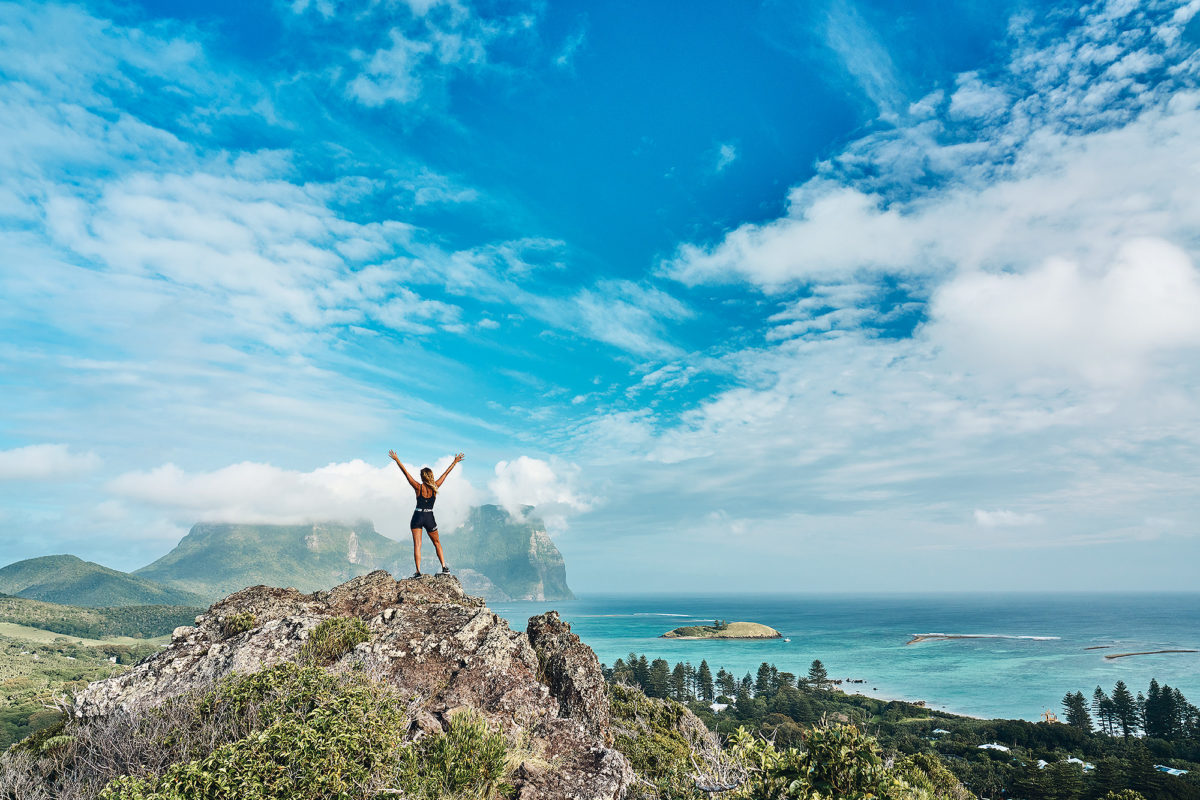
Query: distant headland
point(721, 629)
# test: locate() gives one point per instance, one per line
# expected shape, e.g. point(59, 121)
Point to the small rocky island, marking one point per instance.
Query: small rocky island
point(720, 629)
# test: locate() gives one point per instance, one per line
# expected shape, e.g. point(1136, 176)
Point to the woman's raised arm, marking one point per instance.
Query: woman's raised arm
point(396, 458)
point(457, 459)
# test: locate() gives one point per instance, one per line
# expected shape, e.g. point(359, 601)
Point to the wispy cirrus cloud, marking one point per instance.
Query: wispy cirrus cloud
point(1004, 518)
point(424, 44)
point(863, 55)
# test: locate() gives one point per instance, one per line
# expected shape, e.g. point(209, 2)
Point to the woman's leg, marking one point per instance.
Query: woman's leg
point(416, 532)
point(437, 545)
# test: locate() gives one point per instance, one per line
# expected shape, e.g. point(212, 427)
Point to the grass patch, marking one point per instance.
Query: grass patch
point(333, 638)
point(237, 623)
point(469, 762)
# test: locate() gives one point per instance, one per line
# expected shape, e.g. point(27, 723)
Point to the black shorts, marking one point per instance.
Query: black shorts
point(423, 519)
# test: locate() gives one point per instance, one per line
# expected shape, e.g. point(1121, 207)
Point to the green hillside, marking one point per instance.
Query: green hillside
point(217, 559)
point(138, 622)
point(71, 580)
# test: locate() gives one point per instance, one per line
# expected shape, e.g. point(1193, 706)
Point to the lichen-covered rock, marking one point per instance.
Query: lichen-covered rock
point(572, 671)
point(430, 640)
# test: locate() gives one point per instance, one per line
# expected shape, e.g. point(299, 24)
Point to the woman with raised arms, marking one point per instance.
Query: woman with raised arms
point(422, 517)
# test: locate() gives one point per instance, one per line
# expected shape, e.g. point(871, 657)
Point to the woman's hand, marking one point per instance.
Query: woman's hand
point(395, 457)
point(457, 459)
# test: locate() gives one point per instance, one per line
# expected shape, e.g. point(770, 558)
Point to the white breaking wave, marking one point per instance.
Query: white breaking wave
point(642, 614)
point(985, 636)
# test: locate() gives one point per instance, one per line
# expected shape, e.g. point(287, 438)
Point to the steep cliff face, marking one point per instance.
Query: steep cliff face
point(429, 640)
point(215, 559)
point(517, 555)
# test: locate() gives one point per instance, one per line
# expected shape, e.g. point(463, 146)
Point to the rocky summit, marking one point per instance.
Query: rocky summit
point(431, 641)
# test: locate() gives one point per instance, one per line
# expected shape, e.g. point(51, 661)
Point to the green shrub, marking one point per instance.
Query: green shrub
point(291, 732)
point(647, 732)
point(45, 739)
point(467, 762)
point(837, 761)
point(315, 735)
point(237, 623)
point(333, 638)
point(926, 772)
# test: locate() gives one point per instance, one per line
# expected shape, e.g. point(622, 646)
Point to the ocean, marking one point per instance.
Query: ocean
point(1036, 648)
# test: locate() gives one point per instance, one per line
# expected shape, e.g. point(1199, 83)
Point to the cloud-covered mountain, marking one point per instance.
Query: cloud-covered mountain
point(498, 554)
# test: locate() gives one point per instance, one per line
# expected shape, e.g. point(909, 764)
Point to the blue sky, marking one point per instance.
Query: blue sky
point(821, 296)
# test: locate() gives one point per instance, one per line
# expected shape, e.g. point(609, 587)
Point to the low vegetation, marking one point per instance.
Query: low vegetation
point(333, 638)
point(287, 732)
point(138, 622)
point(468, 761)
point(33, 676)
point(720, 629)
point(647, 732)
point(237, 623)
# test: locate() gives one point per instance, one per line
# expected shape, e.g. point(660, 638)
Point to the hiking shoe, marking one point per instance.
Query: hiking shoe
point(414, 575)
point(445, 570)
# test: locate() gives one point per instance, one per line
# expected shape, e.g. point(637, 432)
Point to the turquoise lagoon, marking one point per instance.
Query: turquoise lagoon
point(1037, 647)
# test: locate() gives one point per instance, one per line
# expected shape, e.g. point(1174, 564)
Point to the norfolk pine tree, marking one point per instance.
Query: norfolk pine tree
point(704, 682)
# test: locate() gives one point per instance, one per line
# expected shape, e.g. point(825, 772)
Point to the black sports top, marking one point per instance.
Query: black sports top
point(425, 503)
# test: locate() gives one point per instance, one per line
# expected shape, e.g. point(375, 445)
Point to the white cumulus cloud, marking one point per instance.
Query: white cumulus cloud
point(1106, 325)
point(549, 487)
point(41, 462)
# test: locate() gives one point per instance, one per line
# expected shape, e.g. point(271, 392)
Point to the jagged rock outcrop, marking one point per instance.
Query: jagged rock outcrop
point(431, 640)
point(572, 671)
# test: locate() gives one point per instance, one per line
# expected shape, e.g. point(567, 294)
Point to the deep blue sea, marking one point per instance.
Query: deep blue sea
point(864, 637)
